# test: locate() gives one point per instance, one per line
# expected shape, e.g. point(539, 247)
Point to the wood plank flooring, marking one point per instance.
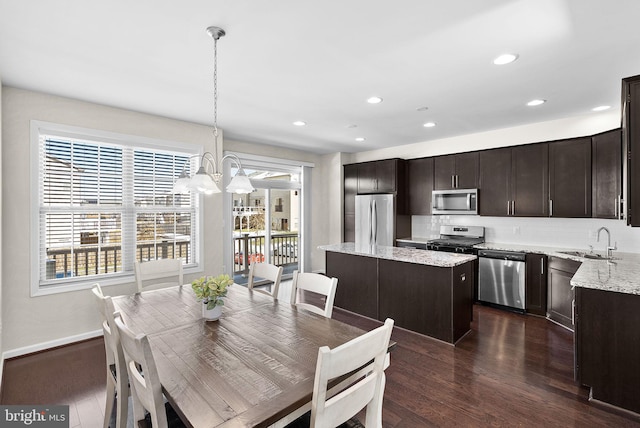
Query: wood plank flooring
point(511, 370)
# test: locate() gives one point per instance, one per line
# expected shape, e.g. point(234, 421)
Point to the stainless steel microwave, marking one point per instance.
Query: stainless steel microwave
point(457, 201)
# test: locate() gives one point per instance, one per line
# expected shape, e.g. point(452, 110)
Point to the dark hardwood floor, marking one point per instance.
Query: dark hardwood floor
point(511, 370)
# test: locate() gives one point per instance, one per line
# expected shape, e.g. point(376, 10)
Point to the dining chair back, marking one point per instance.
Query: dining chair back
point(146, 389)
point(117, 379)
point(159, 273)
point(266, 271)
point(370, 351)
point(318, 284)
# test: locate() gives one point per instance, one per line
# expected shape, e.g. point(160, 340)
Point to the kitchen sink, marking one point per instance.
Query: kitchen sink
point(582, 254)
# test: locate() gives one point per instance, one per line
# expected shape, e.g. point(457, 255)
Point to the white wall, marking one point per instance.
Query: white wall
point(544, 131)
point(33, 322)
point(576, 233)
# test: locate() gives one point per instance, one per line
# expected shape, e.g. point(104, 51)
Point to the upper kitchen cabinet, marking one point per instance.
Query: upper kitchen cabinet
point(606, 174)
point(570, 178)
point(420, 185)
point(529, 180)
point(631, 146)
point(514, 181)
point(494, 182)
point(350, 192)
point(384, 176)
point(459, 171)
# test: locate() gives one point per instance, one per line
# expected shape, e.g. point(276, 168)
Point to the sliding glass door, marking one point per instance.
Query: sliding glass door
point(266, 223)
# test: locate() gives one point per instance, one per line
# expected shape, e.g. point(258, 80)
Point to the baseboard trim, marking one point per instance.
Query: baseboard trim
point(18, 352)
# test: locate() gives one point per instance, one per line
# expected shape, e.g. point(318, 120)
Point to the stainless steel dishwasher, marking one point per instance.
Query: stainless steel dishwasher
point(501, 278)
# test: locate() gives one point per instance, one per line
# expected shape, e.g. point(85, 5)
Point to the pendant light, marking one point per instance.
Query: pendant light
point(203, 181)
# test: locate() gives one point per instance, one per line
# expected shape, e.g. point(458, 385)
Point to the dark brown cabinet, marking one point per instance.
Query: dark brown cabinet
point(607, 346)
point(606, 174)
point(350, 192)
point(384, 176)
point(495, 182)
point(631, 145)
point(357, 282)
point(570, 178)
point(536, 284)
point(514, 181)
point(420, 180)
point(530, 180)
point(559, 292)
point(459, 171)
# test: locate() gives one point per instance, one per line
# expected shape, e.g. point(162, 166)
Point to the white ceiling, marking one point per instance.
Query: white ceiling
point(318, 61)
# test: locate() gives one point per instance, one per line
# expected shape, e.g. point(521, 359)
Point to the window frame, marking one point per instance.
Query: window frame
point(39, 128)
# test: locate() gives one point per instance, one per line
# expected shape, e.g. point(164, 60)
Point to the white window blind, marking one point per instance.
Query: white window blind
point(104, 205)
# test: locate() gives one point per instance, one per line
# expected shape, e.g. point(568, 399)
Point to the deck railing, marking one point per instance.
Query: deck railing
point(94, 260)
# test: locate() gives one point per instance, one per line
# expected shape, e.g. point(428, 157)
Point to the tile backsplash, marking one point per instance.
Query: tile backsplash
point(575, 233)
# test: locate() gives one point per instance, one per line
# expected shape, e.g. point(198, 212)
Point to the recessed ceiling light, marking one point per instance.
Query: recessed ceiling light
point(536, 102)
point(505, 59)
point(601, 108)
point(299, 123)
point(422, 109)
point(374, 100)
point(429, 124)
point(360, 139)
point(352, 126)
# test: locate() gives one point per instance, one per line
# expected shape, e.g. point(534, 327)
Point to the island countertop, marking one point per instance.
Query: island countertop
point(401, 254)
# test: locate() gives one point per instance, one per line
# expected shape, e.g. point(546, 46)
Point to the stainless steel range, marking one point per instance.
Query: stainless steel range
point(457, 239)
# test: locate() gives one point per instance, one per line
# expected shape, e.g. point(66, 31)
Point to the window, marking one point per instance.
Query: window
point(105, 201)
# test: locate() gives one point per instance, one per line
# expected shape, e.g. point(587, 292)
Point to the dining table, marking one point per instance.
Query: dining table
point(251, 368)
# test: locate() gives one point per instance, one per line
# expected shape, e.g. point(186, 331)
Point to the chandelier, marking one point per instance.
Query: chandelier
point(209, 174)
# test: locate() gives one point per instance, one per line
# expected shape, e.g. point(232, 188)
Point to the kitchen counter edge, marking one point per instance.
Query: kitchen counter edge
point(407, 255)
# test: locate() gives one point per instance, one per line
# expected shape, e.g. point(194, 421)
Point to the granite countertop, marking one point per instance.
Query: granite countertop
point(622, 274)
point(399, 254)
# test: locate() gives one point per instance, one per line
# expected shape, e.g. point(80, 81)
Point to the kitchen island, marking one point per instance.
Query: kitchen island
point(428, 292)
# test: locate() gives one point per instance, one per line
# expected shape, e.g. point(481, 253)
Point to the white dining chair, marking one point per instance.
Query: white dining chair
point(369, 351)
point(315, 283)
point(146, 389)
point(117, 378)
point(160, 273)
point(268, 272)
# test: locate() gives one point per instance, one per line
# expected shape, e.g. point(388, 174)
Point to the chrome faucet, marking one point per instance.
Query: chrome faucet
point(609, 247)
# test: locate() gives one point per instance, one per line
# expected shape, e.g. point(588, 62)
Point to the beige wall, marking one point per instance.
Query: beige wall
point(587, 124)
point(29, 321)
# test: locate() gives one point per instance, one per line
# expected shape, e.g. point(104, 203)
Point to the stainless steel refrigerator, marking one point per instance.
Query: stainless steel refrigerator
point(374, 221)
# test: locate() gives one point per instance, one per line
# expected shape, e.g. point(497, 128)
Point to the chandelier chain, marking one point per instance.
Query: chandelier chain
point(215, 88)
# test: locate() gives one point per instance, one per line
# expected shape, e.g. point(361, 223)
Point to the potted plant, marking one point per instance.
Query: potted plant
point(211, 290)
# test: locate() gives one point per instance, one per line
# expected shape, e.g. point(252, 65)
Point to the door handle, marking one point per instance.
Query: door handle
point(457, 181)
point(541, 265)
point(508, 207)
point(453, 181)
point(374, 225)
point(469, 202)
point(550, 207)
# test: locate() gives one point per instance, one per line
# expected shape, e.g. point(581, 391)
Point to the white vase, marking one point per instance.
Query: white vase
point(211, 314)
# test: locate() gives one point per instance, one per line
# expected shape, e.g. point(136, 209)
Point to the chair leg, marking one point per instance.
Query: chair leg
point(122, 410)
point(111, 395)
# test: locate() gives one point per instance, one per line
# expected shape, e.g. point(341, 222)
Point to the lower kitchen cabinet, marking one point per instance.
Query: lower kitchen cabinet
point(431, 300)
point(607, 346)
point(357, 282)
point(560, 295)
point(536, 284)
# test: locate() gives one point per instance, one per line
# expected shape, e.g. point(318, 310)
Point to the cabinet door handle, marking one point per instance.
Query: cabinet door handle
point(457, 181)
point(453, 181)
point(615, 207)
point(550, 207)
point(573, 312)
point(508, 207)
point(541, 265)
point(513, 207)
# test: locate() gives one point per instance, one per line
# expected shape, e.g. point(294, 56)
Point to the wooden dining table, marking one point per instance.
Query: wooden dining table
point(251, 368)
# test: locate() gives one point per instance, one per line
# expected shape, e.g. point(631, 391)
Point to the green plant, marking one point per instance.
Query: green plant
point(211, 289)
